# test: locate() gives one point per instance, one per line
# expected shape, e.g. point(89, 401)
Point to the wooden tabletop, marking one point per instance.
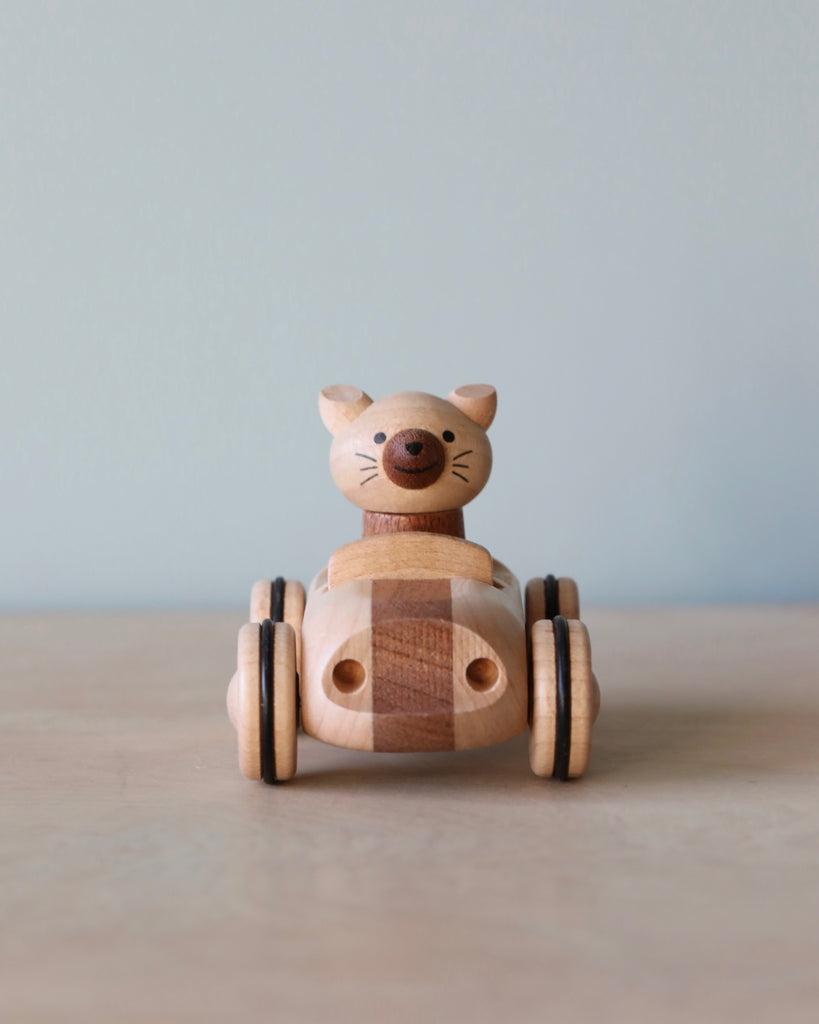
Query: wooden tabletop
point(144, 879)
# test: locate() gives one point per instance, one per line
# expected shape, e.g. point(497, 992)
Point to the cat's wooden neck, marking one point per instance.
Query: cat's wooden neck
point(450, 522)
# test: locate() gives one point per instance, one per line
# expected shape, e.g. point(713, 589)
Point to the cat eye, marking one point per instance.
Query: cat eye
point(448, 435)
point(380, 437)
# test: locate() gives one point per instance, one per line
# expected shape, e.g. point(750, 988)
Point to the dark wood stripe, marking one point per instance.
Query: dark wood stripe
point(413, 702)
point(411, 599)
point(450, 522)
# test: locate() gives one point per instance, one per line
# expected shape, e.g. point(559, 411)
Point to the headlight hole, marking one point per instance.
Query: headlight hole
point(482, 674)
point(349, 675)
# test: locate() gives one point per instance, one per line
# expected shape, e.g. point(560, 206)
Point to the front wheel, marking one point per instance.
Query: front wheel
point(564, 698)
point(263, 701)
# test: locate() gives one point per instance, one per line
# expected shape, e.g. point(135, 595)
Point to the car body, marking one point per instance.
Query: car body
point(414, 663)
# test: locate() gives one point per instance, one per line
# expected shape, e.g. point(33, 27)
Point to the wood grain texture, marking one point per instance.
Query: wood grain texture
point(409, 556)
point(411, 640)
point(144, 880)
point(450, 523)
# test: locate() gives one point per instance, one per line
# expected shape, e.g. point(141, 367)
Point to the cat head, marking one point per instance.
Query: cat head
point(409, 452)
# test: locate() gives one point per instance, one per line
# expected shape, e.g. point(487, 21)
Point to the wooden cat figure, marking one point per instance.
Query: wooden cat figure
point(413, 638)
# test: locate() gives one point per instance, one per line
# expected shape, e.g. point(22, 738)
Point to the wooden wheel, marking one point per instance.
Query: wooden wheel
point(549, 596)
point(243, 701)
point(564, 698)
point(282, 601)
point(263, 701)
point(278, 701)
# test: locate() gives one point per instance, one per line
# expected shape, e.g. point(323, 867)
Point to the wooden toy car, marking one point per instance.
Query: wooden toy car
point(413, 638)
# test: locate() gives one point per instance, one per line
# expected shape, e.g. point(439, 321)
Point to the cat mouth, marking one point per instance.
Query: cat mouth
point(424, 469)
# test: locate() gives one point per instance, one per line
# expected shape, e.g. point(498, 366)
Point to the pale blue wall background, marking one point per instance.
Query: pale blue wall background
point(208, 211)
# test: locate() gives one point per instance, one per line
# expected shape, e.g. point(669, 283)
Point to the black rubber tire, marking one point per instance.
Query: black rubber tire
point(563, 723)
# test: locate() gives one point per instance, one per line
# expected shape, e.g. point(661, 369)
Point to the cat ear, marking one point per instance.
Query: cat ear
point(340, 404)
point(477, 401)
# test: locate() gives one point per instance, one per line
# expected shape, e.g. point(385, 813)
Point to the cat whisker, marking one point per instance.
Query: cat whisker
point(366, 469)
point(368, 479)
point(462, 477)
point(370, 457)
point(460, 465)
point(467, 452)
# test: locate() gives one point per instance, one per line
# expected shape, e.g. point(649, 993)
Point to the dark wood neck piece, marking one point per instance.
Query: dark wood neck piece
point(450, 522)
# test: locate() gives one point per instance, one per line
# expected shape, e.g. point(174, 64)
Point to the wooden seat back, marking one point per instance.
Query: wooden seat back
point(409, 556)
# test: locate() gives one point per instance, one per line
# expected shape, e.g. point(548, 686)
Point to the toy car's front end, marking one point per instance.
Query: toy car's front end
point(414, 664)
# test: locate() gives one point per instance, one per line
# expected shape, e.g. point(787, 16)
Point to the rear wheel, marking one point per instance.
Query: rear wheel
point(547, 596)
point(282, 601)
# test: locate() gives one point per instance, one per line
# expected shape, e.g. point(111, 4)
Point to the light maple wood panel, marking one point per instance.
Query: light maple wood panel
point(144, 879)
point(409, 556)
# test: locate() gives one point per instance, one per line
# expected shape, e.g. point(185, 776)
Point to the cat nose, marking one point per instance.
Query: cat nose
point(413, 459)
